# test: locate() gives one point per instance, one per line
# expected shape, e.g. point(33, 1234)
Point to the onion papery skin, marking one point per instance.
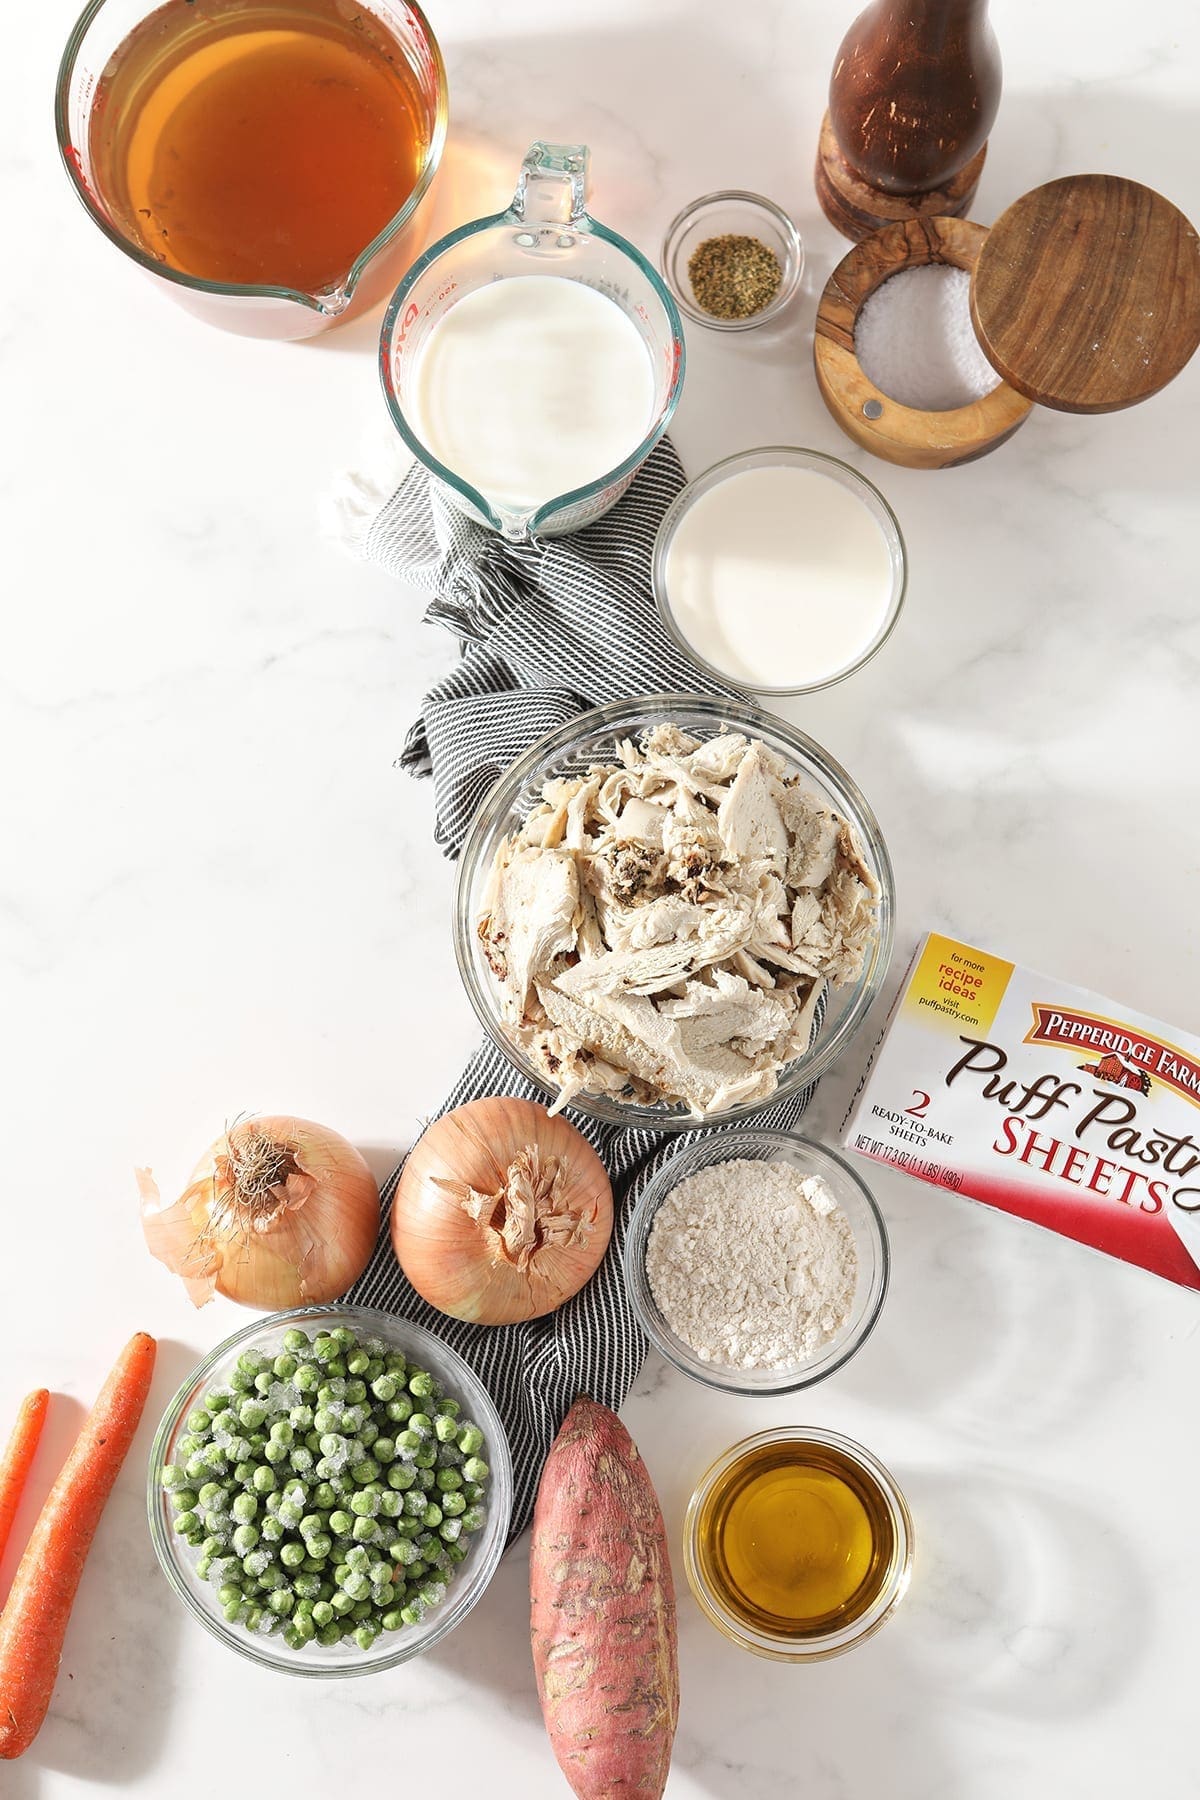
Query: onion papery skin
point(303, 1243)
point(457, 1262)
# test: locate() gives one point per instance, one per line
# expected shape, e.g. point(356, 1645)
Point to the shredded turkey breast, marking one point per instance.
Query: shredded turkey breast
point(660, 929)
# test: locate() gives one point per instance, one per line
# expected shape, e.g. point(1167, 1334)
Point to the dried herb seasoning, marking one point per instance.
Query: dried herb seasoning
point(733, 277)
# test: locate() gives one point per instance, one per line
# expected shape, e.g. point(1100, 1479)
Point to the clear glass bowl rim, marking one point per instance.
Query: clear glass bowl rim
point(636, 715)
point(575, 496)
point(731, 197)
point(793, 456)
point(734, 1143)
point(248, 290)
point(462, 1596)
point(834, 1643)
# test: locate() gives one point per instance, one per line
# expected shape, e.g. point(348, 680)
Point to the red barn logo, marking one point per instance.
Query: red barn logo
point(1125, 1055)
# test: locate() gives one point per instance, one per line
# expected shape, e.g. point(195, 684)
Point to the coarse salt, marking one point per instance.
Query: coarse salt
point(915, 340)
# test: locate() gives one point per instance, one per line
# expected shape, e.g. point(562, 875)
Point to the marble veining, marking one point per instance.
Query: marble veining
point(217, 893)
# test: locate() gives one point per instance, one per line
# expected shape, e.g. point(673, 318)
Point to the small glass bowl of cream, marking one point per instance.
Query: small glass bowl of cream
point(727, 225)
point(798, 1544)
point(783, 570)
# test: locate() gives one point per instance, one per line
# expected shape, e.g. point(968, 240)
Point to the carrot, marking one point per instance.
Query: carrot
point(34, 1622)
point(18, 1456)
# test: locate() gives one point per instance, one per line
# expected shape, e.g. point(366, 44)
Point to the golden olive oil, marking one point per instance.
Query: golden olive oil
point(795, 1539)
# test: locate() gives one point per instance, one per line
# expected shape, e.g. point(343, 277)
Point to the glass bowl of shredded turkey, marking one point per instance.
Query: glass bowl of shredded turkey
point(757, 1261)
point(673, 909)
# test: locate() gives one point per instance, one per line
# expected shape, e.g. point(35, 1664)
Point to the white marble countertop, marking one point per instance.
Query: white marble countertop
point(217, 894)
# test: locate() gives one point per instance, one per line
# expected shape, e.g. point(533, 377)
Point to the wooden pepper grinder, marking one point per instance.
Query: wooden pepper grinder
point(914, 93)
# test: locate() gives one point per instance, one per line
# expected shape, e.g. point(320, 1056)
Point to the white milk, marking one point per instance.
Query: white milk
point(779, 576)
point(532, 386)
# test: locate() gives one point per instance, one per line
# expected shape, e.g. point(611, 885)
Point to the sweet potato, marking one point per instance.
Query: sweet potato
point(603, 1612)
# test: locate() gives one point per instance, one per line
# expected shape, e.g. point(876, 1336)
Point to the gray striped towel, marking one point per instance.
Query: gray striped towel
point(547, 630)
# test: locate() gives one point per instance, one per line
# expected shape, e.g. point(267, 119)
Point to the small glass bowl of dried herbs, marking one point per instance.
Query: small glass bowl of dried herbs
point(732, 260)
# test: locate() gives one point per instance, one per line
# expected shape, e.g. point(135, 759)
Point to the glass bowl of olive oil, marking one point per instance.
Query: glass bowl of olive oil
point(798, 1544)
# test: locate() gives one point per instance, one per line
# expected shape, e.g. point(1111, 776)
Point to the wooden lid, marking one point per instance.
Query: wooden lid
point(1086, 296)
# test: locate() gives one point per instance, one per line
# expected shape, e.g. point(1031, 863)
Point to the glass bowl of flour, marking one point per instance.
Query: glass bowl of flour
point(757, 1261)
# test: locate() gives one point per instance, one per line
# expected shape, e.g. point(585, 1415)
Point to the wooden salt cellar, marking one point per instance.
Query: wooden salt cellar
point(913, 96)
point(1085, 297)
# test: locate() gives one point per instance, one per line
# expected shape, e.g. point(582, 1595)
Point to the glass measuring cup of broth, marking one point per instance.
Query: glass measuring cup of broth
point(532, 360)
point(263, 158)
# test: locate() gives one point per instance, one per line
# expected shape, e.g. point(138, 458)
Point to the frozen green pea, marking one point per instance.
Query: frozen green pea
point(320, 1545)
point(251, 1414)
point(450, 1409)
point(264, 1383)
point(275, 1452)
point(323, 1613)
point(365, 1502)
point(448, 1479)
point(301, 1417)
point(323, 1496)
point(330, 1634)
point(284, 1365)
point(365, 1531)
point(357, 1584)
point(302, 1460)
point(185, 1499)
point(473, 1518)
point(217, 1524)
point(281, 1600)
point(474, 1469)
point(450, 1529)
point(368, 1431)
point(408, 1442)
point(470, 1439)
point(421, 1384)
point(294, 1339)
point(243, 1473)
point(425, 1459)
point(414, 1503)
point(392, 1620)
point(456, 1553)
point(342, 1602)
point(291, 1555)
point(264, 1480)
point(399, 1410)
point(453, 1504)
point(244, 1508)
point(282, 1432)
point(241, 1383)
point(307, 1379)
point(385, 1387)
point(357, 1559)
point(431, 1518)
point(472, 1492)
point(391, 1504)
point(357, 1361)
point(445, 1429)
point(198, 1421)
point(245, 1538)
point(186, 1522)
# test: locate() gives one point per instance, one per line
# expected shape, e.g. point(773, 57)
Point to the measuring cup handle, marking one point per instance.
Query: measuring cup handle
point(552, 185)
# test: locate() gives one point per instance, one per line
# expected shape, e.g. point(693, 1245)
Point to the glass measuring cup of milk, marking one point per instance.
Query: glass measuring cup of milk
point(532, 360)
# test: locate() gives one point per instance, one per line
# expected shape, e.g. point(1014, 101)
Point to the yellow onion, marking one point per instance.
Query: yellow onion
point(502, 1212)
point(279, 1212)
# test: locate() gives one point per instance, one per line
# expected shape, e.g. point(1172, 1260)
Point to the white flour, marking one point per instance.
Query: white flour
point(752, 1264)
